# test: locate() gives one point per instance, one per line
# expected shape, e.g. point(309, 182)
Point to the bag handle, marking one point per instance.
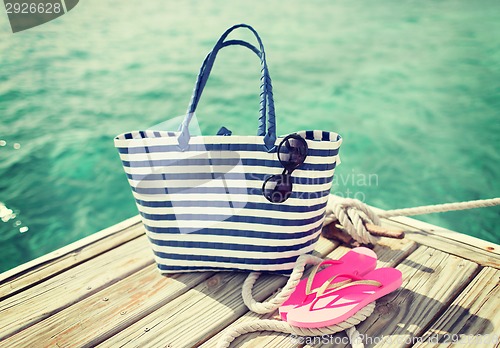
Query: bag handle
point(267, 112)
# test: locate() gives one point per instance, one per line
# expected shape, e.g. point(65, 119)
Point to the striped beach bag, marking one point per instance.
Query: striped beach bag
point(230, 202)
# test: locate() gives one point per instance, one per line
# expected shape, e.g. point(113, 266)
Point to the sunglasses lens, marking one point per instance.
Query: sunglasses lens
point(277, 188)
point(292, 152)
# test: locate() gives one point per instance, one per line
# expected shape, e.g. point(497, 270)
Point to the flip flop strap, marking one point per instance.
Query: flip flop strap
point(343, 285)
point(312, 275)
point(331, 285)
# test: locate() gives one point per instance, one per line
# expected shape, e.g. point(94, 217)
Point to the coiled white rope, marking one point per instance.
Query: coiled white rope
point(281, 326)
point(284, 294)
point(352, 214)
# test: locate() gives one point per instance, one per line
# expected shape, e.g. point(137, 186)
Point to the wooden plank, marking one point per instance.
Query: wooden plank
point(434, 230)
point(194, 316)
point(431, 281)
point(467, 247)
point(45, 299)
point(389, 252)
point(46, 266)
point(109, 311)
point(472, 319)
point(441, 232)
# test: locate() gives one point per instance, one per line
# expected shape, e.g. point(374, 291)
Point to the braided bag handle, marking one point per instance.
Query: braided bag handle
point(267, 111)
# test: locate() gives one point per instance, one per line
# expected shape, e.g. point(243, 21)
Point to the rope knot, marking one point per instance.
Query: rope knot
point(352, 214)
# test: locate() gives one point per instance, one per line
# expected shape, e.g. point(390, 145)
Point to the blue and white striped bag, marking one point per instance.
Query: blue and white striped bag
point(201, 197)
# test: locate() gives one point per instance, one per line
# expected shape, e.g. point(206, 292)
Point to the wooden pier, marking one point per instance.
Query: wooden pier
point(105, 291)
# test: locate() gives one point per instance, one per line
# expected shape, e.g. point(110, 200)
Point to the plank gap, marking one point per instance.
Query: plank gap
point(39, 302)
point(453, 297)
point(56, 273)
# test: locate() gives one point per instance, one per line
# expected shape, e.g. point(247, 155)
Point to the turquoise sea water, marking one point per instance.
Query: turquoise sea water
point(413, 87)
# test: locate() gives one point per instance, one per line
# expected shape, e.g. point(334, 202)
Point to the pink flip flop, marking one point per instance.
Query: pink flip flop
point(333, 306)
point(357, 261)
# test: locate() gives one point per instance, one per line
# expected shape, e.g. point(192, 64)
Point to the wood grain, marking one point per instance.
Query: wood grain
point(201, 312)
point(472, 319)
point(431, 281)
point(106, 290)
point(390, 252)
point(35, 271)
point(100, 316)
point(482, 252)
point(43, 300)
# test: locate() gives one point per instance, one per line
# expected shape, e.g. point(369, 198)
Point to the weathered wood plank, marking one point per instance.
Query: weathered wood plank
point(431, 280)
point(43, 300)
point(194, 316)
point(390, 252)
point(472, 319)
point(107, 312)
point(467, 247)
point(35, 271)
point(59, 310)
point(434, 230)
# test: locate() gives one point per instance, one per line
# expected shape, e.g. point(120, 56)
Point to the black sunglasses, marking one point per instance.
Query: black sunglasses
point(292, 152)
